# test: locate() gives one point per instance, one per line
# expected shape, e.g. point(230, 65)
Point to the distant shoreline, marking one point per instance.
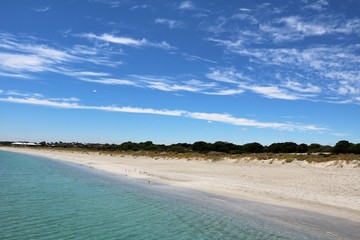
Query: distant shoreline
point(329, 188)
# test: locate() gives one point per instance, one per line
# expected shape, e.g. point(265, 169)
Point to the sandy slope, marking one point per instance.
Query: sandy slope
point(329, 188)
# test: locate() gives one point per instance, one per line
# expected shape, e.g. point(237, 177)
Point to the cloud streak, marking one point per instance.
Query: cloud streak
point(126, 41)
point(20, 57)
point(43, 9)
point(72, 103)
point(169, 22)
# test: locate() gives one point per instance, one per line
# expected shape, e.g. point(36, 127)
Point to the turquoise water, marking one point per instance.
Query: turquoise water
point(46, 199)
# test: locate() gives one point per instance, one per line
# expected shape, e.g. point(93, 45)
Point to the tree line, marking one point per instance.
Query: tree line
point(205, 147)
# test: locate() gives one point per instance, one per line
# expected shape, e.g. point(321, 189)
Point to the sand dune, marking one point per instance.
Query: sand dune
point(331, 188)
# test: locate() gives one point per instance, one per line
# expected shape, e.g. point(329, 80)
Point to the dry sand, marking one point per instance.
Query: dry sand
point(330, 188)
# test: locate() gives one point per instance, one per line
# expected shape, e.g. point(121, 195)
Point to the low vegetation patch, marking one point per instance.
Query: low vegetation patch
point(287, 151)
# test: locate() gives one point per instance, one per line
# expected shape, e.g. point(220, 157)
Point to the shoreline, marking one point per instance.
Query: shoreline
point(323, 188)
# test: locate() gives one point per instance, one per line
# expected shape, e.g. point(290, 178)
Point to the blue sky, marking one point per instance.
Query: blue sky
point(180, 71)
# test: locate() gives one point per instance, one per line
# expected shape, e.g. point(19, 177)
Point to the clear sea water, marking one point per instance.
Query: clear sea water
point(46, 199)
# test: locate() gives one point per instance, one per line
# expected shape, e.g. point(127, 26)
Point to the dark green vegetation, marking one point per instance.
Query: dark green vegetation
point(342, 147)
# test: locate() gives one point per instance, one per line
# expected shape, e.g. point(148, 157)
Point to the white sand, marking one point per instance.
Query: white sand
point(328, 188)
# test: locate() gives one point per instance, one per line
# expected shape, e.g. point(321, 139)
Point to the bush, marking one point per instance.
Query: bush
point(342, 147)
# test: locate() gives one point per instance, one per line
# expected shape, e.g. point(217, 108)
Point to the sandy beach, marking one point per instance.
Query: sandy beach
point(330, 188)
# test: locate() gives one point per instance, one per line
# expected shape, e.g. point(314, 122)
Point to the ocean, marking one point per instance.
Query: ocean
point(42, 198)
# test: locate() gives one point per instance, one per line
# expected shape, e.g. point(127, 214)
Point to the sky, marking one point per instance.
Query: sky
point(180, 71)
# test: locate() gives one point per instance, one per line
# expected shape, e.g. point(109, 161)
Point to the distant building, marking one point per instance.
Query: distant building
point(24, 144)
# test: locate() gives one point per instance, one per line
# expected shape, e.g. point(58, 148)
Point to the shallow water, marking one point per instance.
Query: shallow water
point(46, 199)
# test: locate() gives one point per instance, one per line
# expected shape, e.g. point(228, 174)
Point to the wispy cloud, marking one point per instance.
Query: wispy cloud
point(22, 57)
point(166, 84)
point(41, 9)
point(186, 5)
point(262, 25)
point(304, 88)
point(143, 6)
point(228, 75)
point(15, 75)
point(169, 22)
point(229, 119)
point(227, 43)
point(318, 5)
point(271, 92)
point(118, 40)
point(294, 28)
point(289, 90)
point(21, 62)
point(226, 92)
point(313, 73)
point(111, 3)
point(20, 94)
point(110, 81)
point(214, 117)
point(191, 57)
point(106, 37)
point(245, 9)
point(88, 74)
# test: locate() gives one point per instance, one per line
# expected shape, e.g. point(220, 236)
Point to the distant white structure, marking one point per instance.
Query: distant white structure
point(24, 144)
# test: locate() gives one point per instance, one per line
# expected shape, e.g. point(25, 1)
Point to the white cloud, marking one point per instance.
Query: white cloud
point(186, 5)
point(127, 41)
point(137, 110)
point(42, 9)
point(227, 43)
point(72, 99)
point(318, 5)
point(346, 89)
point(294, 28)
point(143, 6)
point(20, 57)
point(21, 62)
point(228, 75)
point(15, 75)
point(111, 3)
point(169, 22)
point(40, 50)
point(92, 74)
point(226, 118)
point(161, 83)
point(213, 117)
point(271, 92)
point(242, 82)
point(226, 92)
point(190, 57)
point(118, 40)
point(49, 53)
point(42, 102)
point(20, 94)
point(331, 71)
point(110, 81)
point(307, 88)
point(82, 74)
point(244, 9)
point(171, 87)
point(307, 29)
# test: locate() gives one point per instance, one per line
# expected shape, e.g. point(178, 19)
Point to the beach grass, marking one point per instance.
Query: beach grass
point(217, 156)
